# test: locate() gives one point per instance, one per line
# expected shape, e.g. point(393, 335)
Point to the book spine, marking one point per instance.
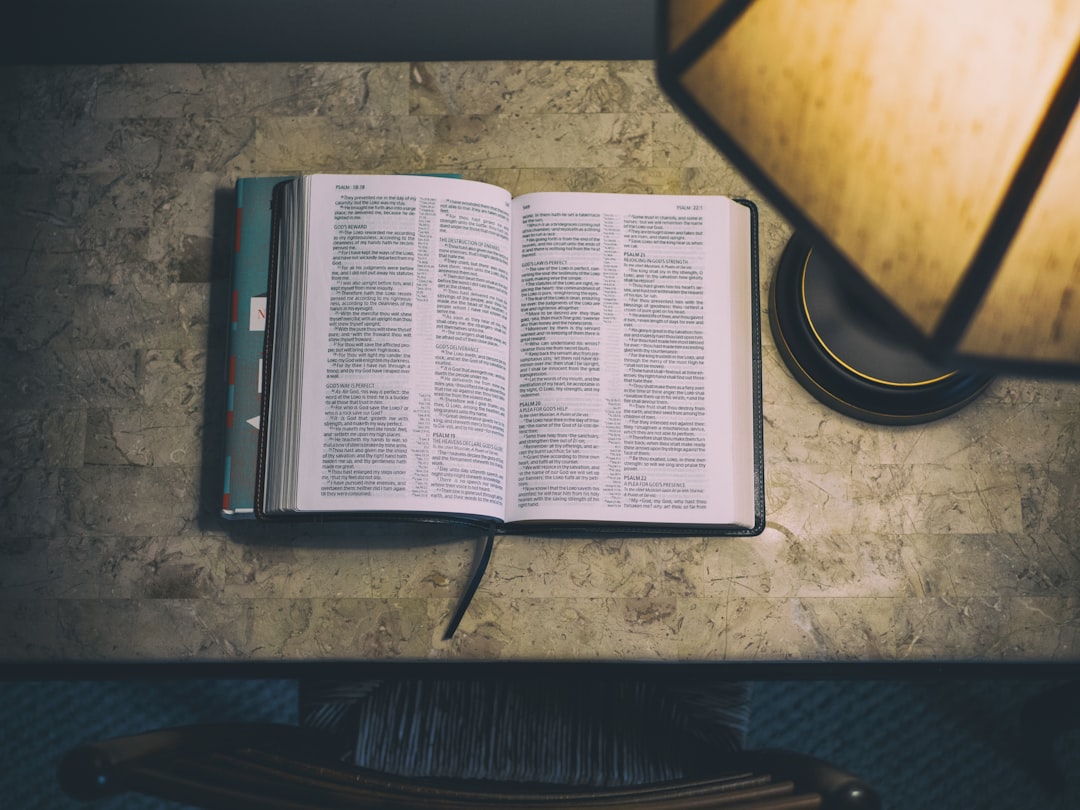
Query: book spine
point(247, 323)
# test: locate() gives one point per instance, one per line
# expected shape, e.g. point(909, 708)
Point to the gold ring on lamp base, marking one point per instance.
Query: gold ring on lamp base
point(842, 354)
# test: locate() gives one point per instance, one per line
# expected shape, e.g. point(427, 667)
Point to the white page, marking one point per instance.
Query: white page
point(622, 407)
point(404, 399)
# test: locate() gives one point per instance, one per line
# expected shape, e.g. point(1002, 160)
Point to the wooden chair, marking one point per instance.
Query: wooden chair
point(276, 767)
point(281, 767)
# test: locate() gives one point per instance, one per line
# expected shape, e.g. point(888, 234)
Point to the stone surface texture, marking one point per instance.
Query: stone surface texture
point(954, 541)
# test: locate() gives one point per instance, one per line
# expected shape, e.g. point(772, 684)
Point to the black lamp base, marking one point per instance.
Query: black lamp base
point(844, 356)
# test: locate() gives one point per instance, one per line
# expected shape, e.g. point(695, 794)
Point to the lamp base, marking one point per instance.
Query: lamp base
point(846, 358)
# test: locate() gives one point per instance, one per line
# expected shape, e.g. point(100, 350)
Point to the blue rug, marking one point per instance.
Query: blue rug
point(45, 719)
point(921, 744)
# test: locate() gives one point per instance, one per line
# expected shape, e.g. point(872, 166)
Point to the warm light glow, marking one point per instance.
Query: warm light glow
point(896, 127)
point(1032, 310)
point(686, 16)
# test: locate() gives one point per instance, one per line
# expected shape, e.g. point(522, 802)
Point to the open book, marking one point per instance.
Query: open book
point(436, 348)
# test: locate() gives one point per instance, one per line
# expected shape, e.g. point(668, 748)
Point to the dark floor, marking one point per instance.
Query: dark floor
point(922, 744)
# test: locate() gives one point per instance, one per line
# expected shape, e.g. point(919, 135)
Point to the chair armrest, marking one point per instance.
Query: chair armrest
point(839, 789)
point(95, 770)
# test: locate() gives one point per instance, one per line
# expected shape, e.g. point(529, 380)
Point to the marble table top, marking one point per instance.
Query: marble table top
point(953, 541)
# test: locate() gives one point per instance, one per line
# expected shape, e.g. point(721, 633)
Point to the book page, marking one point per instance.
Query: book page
point(632, 394)
point(406, 345)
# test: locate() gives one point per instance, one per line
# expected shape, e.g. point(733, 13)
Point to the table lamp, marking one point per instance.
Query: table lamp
point(928, 154)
